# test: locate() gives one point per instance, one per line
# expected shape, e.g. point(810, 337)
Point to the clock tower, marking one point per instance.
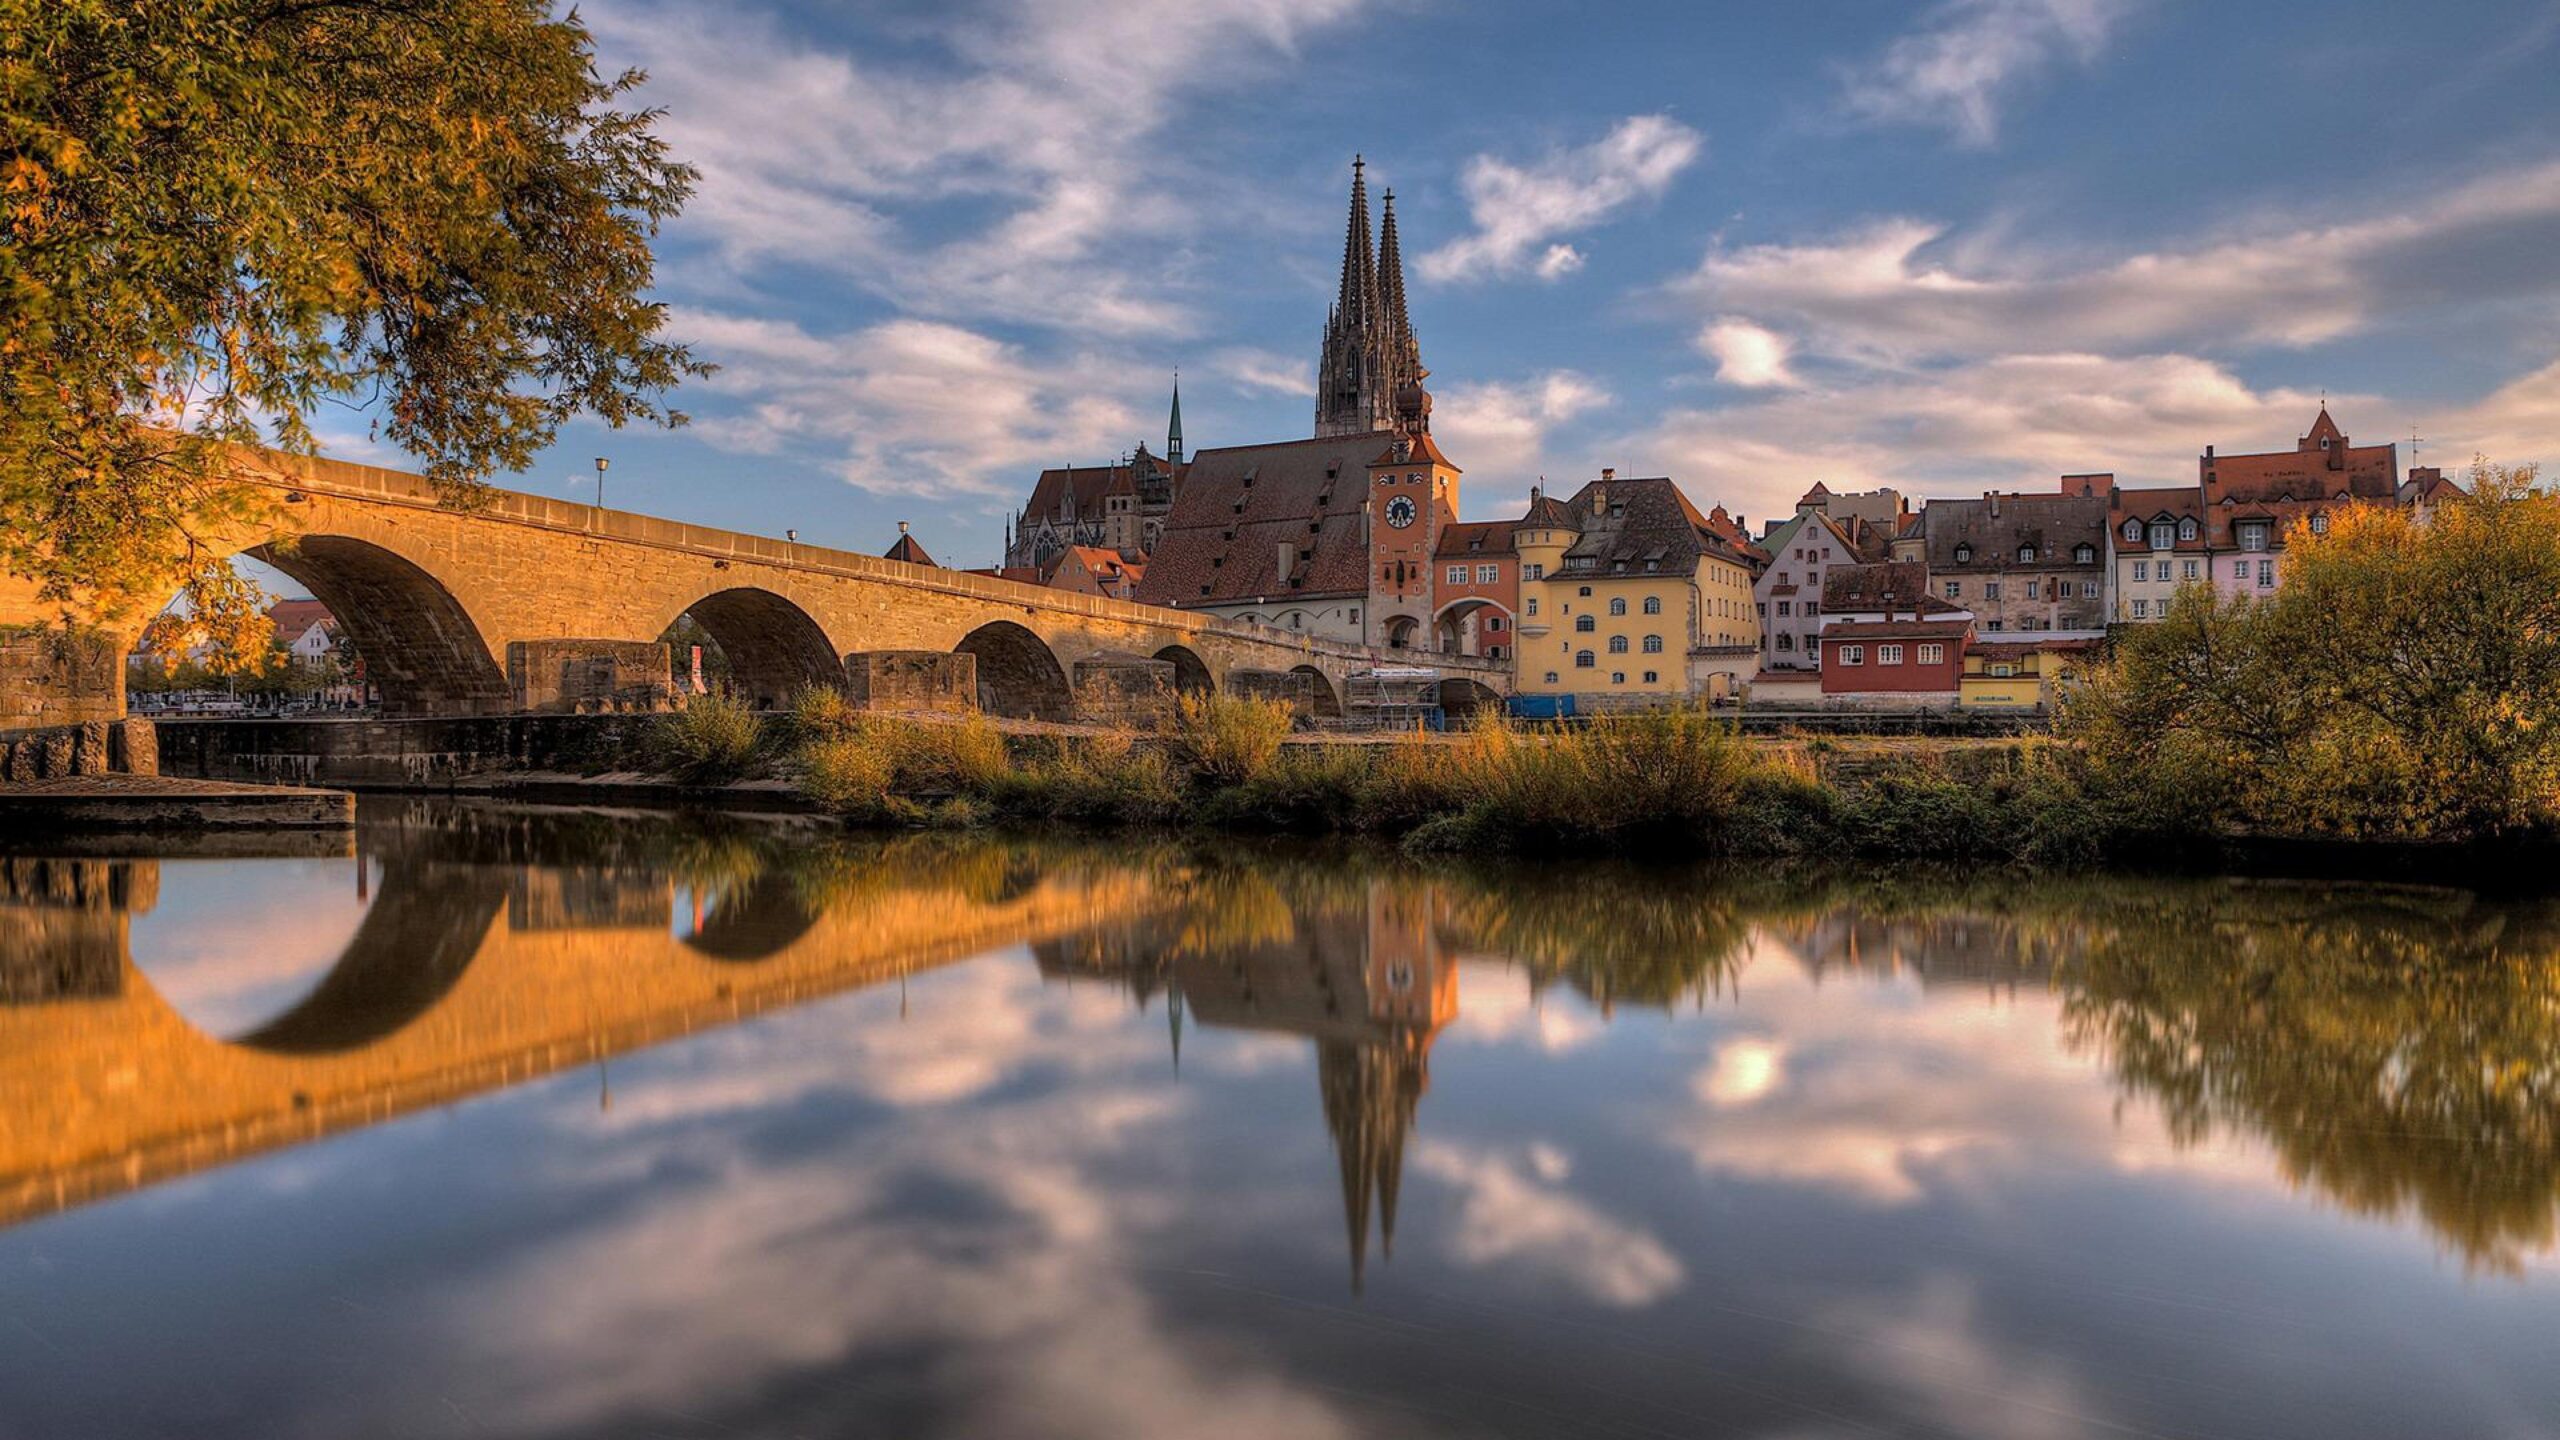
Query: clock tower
point(1413, 495)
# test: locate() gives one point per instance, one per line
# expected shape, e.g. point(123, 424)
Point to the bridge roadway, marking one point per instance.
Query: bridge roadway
point(475, 967)
point(438, 600)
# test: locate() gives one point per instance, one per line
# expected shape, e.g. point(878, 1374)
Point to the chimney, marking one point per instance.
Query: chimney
point(1608, 472)
point(1284, 557)
point(1994, 497)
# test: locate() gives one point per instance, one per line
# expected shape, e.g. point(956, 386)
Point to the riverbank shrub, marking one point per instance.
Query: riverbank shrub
point(714, 740)
point(1229, 739)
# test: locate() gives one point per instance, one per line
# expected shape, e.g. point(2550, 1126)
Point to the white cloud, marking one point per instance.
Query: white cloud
point(2517, 423)
point(1900, 290)
point(1519, 208)
point(1514, 1214)
point(1746, 1071)
point(910, 407)
point(1752, 356)
point(1266, 370)
point(1498, 430)
point(1043, 111)
point(1966, 57)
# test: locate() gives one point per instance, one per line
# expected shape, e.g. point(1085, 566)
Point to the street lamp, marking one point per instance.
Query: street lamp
point(601, 463)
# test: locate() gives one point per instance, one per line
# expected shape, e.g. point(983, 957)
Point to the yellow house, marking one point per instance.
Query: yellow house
point(1629, 594)
point(2020, 674)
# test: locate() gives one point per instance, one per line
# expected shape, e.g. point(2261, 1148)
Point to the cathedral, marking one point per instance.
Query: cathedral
point(1335, 534)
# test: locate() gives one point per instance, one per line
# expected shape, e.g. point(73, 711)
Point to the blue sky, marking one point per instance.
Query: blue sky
point(1946, 246)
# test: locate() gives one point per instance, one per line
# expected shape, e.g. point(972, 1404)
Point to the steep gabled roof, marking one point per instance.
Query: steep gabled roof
point(1476, 537)
point(1239, 504)
point(907, 550)
point(1992, 530)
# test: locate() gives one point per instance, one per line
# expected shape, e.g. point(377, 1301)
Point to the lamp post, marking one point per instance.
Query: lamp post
point(601, 463)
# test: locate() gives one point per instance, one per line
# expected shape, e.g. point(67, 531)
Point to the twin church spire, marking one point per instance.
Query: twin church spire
point(1369, 377)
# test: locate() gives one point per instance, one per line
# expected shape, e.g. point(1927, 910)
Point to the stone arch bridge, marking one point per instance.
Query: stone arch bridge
point(480, 611)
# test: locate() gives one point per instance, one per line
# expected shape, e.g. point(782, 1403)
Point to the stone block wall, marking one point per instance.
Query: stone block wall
point(92, 747)
point(913, 680)
point(52, 676)
point(589, 677)
point(1113, 690)
point(1292, 688)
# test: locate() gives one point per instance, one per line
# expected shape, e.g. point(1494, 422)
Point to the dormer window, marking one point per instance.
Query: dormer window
point(1964, 554)
point(2324, 442)
point(2083, 554)
point(2132, 530)
point(2319, 524)
point(2187, 529)
point(2026, 554)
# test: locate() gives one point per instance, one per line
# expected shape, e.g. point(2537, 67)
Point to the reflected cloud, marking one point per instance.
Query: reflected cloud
point(1516, 1216)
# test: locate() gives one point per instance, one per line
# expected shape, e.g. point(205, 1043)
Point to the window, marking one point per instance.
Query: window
point(2141, 609)
point(1653, 644)
point(1653, 604)
point(2026, 554)
point(2186, 569)
point(1853, 654)
point(2089, 589)
point(2034, 586)
point(1990, 589)
point(2083, 554)
point(2266, 572)
point(2132, 530)
point(1617, 677)
point(1813, 607)
point(1457, 574)
point(1888, 654)
point(1533, 604)
point(1964, 554)
point(1584, 592)
point(1993, 625)
point(1617, 644)
point(2187, 529)
point(1584, 659)
point(1954, 588)
point(1785, 609)
point(1652, 677)
point(2162, 534)
point(1534, 572)
point(1758, 607)
point(2141, 569)
point(1551, 677)
point(1617, 604)
point(2253, 536)
point(1651, 566)
point(1493, 624)
point(1585, 624)
point(1933, 654)
point(1786, 641)
point(2320, 524)
point(2003, 671)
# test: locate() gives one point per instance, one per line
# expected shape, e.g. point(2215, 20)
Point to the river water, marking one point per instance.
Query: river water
point(525, 1122)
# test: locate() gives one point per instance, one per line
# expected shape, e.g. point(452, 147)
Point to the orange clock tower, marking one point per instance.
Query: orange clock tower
point(1413, 494)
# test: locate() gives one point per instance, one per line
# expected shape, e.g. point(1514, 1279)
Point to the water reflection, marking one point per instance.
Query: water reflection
point(1873, 1106)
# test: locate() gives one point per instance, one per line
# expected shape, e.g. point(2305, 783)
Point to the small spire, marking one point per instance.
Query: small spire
point(1173, 427)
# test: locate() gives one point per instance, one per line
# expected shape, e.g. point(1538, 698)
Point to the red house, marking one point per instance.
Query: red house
point(1921, 659)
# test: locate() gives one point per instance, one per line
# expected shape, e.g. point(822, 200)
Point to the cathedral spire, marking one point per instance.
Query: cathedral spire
point(1401, 348)
point(1173, 427)
point(1357, 305)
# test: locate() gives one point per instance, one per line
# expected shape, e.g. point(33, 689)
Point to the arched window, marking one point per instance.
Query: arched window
point(1964, 554)
point(2319, 524)
point(1584, 659)
point(1786, 641)
point(1618, 605)
point(1617, 644)
point(1653, 604)
point(2187, 529)
point(1585, 624)
point(1653, 644)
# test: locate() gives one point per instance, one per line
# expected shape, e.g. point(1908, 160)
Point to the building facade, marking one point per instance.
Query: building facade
point(1803, 550)
point(1092, 570)
point(1629, 594)
point(1901, 661)
point(2031, 563)
point(1478, 591)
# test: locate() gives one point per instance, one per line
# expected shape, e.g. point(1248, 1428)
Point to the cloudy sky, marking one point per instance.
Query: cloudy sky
point(1947, 246)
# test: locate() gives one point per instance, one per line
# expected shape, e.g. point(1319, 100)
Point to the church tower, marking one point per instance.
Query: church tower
point(1369, 374)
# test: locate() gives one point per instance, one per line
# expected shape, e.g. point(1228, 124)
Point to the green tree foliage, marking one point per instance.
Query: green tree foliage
point(2403, 684)
point(222, 215)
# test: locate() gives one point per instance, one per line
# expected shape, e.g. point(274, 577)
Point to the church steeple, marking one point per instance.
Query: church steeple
point(1369, 376)
point(1173, 426)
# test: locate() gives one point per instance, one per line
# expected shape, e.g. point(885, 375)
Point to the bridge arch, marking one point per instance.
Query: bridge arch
point(754, 919)
point(1019, 676)
point(1461, 697)
point(775, 649)
point(1190, 673)
point(425, 925)
point(1326, 702)
point(1459, 628)
point(419, 645)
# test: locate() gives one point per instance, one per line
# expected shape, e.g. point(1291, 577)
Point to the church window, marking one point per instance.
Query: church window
point(1585, 624)
point(1653, 604)
point(1618, 605)
point(1584, 659)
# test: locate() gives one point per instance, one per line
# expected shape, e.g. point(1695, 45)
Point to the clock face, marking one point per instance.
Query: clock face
point(1400, 511)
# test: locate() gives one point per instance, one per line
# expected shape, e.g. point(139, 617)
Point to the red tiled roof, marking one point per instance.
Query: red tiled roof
point(1238, 505)
point(1883, 585)
point(293, 619)
point(907, 550)
point(1895, 630)
point(1423, 449)
point(1102, 564)
point(1477, 537)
